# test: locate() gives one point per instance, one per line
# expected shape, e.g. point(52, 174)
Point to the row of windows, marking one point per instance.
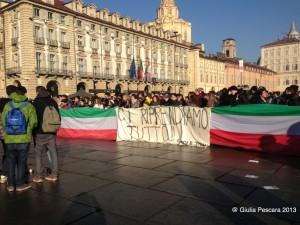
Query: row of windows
point(37, 14)
point(50, 16)
point(51, 35)
point(211, 79)
point(53, 61)
point(289, 82)
point(278, 52)
point(289, 67)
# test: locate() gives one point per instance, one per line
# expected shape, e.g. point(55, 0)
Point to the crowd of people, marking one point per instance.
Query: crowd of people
point(24, 121)
point(232, 96)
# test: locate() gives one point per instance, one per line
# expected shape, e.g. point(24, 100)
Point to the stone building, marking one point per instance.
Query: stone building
point(168, 18)
point(209, 72)
point(283, 56)
point(67, 45)
point(215, 72)
point(229, 48)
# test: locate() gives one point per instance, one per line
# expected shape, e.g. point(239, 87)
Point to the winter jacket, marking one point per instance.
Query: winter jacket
point(40, 103)
point(30, 115)
point(3, 102)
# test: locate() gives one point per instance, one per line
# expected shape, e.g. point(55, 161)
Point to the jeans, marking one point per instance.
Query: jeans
point(44, 143)
point(17, 157)
point(4, 160)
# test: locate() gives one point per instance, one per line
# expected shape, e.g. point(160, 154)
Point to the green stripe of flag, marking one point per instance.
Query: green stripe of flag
point(88, 113)
point(259, 110)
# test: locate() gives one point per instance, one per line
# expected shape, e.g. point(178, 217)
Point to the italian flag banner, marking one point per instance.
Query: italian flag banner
point(268, 128)
point(88, 123)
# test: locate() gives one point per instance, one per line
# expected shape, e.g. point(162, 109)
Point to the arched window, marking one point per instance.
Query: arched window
point(147, 89)
point(81, 86)
point(118, 89)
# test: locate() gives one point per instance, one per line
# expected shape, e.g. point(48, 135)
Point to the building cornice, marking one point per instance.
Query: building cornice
point(67, 11)
point(285, 41)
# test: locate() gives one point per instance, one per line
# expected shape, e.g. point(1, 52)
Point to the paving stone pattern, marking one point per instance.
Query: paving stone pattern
point(137, 183)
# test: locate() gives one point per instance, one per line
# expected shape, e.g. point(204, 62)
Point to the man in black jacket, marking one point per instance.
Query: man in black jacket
point(230, 97)
point(3, 175)
point(44, 141)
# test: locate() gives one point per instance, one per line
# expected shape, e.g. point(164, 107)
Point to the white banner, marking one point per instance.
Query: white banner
point(175, 125)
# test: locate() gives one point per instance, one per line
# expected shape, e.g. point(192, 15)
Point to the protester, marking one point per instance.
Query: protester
point(155, 101)
point(18, 120)
point(147, 102)
point(125, 101)
point(261, 96)
point(134, 102)
point(211, 99)
point(3, 101)
point(229, 97)
point(173, 101)
point(45, 134)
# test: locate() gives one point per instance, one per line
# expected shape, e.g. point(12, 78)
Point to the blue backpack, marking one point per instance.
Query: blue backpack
point(15, 120)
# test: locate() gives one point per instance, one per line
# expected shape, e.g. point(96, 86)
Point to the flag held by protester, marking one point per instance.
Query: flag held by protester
point(88, 123)
point(264, 127)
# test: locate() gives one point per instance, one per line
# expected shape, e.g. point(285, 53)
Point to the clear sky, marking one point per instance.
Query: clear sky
point(251, 22)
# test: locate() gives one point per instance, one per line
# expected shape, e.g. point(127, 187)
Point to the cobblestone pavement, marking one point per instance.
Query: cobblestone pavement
point(129, 183)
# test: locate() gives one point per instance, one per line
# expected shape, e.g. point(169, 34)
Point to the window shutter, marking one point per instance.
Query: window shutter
point(49, 61)
point(85, 65)
point(43, 60)
point(56, 62)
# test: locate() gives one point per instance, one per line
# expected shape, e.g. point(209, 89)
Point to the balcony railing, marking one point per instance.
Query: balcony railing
point(13, 70)
point(52, 71)
point(95, 51)
point(39, 40)
point(14, 41)
point(81, 48)
point(184, 82)
point(65, 45)
point(53, 43)
point(83, 74)
point(118, 54)
point(122, 77)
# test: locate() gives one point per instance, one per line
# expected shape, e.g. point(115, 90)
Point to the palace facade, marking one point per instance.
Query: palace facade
point(283, 56)
point(68, 45)
point(63, 45)
point(215, 72)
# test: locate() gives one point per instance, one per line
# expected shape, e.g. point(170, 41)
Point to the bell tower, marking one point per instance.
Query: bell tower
point(229, 48)
point(167, 11)
point(168, 18)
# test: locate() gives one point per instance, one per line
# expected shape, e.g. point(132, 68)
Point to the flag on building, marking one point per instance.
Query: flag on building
point(88, 123)
point(265, 127)
point(140, 70)
point(132, 71)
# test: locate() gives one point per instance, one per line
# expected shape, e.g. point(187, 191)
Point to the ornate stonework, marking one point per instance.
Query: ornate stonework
point(168, 18)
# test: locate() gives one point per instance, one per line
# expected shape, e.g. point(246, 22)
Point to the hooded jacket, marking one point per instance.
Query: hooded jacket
point(30, 115)
point(40, 103)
